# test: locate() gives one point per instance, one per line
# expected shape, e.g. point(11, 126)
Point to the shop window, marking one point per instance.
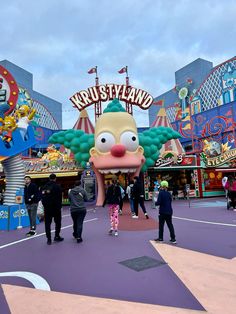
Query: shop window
point(188, 148)
point(212, 179)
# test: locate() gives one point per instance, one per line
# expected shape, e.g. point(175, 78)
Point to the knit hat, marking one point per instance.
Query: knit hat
point(164, 184)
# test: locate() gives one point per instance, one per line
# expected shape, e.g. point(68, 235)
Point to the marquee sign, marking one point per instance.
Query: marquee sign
point(37, 165)
point(108, 92)
point(220, 159)
point(179, 160)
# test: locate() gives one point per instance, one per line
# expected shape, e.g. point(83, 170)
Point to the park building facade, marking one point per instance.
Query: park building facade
point(202, 108)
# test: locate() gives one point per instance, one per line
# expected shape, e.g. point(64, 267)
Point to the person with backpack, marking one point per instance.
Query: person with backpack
point(130, 193)
point(113, 199)
point(52, 202)
point(77, 197)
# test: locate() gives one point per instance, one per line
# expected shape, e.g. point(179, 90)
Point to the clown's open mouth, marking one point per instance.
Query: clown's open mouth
point(116, 170)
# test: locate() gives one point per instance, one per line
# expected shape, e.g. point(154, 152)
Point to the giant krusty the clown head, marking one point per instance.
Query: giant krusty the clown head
point(116, 146)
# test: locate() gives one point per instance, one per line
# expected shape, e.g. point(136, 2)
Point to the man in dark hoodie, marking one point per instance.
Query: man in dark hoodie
point(77, 197)
point(165, 212)
point(52, 202)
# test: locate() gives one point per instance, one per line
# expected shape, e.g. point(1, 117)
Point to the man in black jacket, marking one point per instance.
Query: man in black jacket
point(165, 212)
point(52, 202)
point(31, 196)
point(77, 196)
point(138, 193)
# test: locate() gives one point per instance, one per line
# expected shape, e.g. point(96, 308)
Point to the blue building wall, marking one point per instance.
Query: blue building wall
point(216, 124)
point(197, 71)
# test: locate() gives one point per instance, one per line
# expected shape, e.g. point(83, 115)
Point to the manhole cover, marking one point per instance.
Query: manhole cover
point(142, 263)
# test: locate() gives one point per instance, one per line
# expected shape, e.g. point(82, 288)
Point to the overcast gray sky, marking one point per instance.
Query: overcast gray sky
point(60, 40)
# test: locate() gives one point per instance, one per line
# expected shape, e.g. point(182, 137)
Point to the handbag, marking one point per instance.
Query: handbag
point(40, 210)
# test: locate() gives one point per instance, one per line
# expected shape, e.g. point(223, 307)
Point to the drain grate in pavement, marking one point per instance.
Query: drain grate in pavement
point(142, 263)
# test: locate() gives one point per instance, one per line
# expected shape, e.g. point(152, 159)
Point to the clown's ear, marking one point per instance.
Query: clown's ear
point(77, 141)
point(152, 140)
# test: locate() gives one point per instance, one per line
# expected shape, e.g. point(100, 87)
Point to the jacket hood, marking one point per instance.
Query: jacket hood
point(76, 190)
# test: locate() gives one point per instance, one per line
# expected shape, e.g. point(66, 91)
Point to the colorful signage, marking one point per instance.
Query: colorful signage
point(179, 160)
point(108, 92)
point(220, 159)
point(38, 165)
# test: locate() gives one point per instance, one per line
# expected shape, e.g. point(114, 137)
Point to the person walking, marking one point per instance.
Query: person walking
point(224, 181)
point(122, 196)
point(113, 199)
point(130, 193)
point(230, 186)
point(77, 197)
point(139, 197)
point(31, 197)
point(52, 202)
point(165, 212)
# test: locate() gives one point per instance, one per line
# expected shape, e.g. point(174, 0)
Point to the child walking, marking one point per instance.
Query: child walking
point(113, 199)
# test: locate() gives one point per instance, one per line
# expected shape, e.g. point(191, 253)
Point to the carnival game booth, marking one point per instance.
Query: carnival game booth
point(179, 171)
point(66, 169)
point(219, 161)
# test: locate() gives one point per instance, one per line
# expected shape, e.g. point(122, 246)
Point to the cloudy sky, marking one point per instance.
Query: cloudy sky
point(60, 40)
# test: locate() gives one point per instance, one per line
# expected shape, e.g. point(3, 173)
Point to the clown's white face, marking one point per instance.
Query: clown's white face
point(116, 148)
point(116, 144)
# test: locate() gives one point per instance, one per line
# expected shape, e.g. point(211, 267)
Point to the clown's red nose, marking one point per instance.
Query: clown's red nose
point(118, 150)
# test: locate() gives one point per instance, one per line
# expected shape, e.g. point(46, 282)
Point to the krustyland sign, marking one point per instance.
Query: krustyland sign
point(108, 92)
point(221, 159)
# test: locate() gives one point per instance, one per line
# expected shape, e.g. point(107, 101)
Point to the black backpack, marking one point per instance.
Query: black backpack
point(46, 192)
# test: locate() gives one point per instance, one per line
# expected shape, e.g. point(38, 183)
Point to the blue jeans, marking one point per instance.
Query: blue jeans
point(131, 203)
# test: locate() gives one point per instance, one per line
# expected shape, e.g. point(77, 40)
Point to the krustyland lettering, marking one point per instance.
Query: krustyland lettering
point(107, 92)
point(221, 159)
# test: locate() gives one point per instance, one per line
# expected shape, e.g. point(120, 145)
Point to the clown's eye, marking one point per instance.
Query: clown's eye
point(104, 142)
point(130, 140)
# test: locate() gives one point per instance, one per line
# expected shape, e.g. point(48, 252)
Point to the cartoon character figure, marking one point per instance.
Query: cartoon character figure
point(212, 148)
point(116, 147)
point(24, 114)
point(8, 126)
point(52, 155)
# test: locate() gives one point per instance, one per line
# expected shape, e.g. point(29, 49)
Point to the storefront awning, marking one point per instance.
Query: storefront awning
point(58, 174)
point(176, 168)
point(226, 169)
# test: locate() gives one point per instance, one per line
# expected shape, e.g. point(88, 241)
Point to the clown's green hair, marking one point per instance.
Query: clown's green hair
point(114, 106)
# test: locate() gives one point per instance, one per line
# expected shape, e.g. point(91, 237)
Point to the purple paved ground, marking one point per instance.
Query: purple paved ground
point(92, 268)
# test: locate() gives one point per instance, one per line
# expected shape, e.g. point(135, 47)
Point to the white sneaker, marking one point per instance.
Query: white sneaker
point(136, 217)
point(116, 233)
